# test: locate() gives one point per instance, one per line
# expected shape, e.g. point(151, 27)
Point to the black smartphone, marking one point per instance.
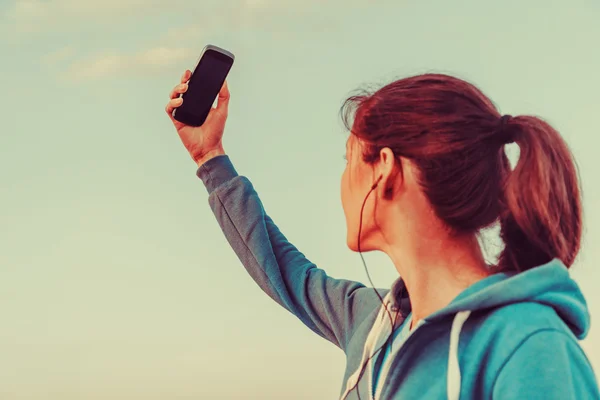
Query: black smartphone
point(204, 85)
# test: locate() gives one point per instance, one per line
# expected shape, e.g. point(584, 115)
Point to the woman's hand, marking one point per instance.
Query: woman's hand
point(202, 142)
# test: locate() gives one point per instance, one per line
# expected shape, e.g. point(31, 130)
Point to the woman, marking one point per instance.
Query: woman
point(426, 171)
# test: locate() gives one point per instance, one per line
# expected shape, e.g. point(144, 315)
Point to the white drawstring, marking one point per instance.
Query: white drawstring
point(369, 346)
point(453, 378)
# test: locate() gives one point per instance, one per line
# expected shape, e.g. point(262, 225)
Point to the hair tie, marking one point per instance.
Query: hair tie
point(504, 133)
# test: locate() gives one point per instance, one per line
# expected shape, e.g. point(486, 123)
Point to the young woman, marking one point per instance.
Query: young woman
point(426, 171)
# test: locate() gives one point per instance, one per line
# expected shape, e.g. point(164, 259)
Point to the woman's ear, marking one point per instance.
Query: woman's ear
point(390, 169)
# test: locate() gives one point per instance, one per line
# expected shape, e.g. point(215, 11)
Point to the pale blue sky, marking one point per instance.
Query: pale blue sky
point(116, 282)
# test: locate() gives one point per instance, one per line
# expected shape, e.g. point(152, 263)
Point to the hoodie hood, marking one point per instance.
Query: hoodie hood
point(548, 284)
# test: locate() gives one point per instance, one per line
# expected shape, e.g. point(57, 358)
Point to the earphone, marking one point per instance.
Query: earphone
point(377, 182)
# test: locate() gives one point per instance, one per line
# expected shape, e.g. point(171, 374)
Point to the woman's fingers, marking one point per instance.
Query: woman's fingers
point(177, 90)
point(173, 104)
point(175, 99)
point(186, 76)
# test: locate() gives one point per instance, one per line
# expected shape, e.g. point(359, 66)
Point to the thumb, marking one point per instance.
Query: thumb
point(223, 100)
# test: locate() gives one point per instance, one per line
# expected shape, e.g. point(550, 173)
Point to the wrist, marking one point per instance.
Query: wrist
point(209, 155)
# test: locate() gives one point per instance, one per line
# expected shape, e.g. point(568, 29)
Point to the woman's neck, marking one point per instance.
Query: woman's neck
point(439, 273)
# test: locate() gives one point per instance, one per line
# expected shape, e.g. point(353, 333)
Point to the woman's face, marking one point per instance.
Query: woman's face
point(357, 180)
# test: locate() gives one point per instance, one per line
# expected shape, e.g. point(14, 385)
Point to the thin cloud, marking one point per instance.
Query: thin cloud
point(183, 34)
point(256, 3)
point(110, 64)
point(25, 9)
point(156, 55)
point(59, 56)
point(41, 15)
point(163, 53)
point(161, 57)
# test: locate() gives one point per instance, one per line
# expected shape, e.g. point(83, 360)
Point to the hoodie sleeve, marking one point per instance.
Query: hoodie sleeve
point(330, 307)
point(548, 364)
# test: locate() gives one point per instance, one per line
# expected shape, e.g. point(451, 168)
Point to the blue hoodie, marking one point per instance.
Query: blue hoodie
point(509, 336)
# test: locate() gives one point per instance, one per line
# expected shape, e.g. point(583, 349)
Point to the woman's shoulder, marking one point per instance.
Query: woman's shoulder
point(493, 337)
point(515, 322)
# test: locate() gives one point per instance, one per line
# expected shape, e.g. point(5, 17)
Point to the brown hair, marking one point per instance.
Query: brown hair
point(455, 136)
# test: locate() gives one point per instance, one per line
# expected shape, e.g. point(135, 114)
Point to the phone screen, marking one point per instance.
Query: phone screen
point(203, 87)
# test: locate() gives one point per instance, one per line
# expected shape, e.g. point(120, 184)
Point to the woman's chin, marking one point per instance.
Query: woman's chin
point(353, 246)
point(352, 243)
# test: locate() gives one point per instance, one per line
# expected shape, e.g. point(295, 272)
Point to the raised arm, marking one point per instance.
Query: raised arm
point(330, 307)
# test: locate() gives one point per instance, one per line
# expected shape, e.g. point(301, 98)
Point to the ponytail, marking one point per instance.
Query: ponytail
point(541, 217)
